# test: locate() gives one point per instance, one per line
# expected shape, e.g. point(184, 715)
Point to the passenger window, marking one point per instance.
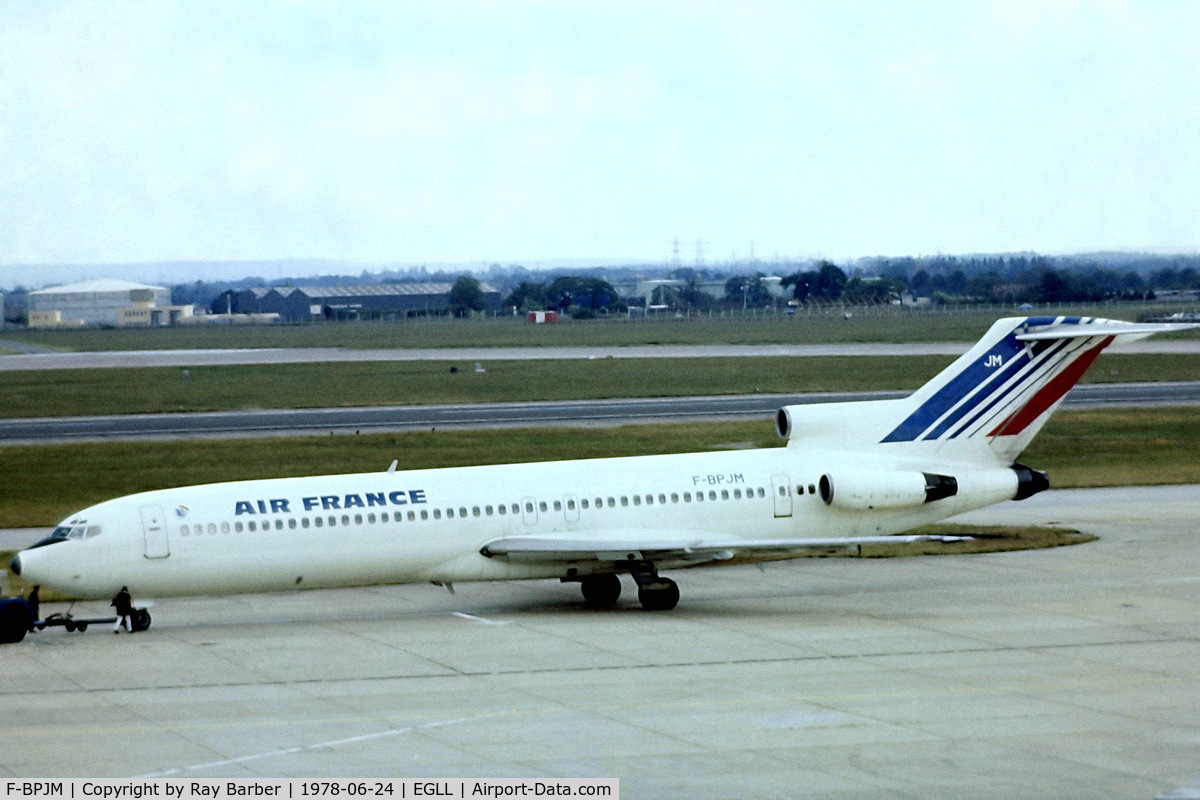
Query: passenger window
point(278, 524)
point(542, 506)
point(304, 523)
point(333, 522)
point(462, 512)
point(292, 524)
point(237, 526)
point(699, 497)
point(437, 513)
point(487, 510)
point(516, 508)
point(624, 500)
point(370, 519)
point(529, 508)
point(584, 503)
point(412, 515)
point(474, 511)
point(687, 497)
point(224, 527)
point(345, 519)
point(424, 515)
point(503, 509)
point(212, 527)
point(737, 494)
point(611, 502)
point(662, 499)
point(449, 514)
point(558, 505)
point(383, 517)
point(319, 521)
point(253, 526)
point(762, 492)
point(183, 530)
point(674, 497)
point(812, 489)
point(358, 519)
point(712, 495)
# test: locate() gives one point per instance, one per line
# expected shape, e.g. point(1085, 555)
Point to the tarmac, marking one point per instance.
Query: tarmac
point(1072, 672)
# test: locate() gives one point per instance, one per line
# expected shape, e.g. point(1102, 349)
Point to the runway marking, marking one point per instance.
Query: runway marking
point(474, 618)
point(317, 746)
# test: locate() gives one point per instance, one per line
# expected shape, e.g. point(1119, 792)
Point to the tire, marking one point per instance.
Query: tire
point(662, 595)
point(70, 626)
point(601, 591)
point(81, 627)
point(139, 620)
point(15, 619)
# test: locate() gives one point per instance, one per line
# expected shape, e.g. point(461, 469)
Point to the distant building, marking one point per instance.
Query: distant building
point(104, 301)
point(373, 301)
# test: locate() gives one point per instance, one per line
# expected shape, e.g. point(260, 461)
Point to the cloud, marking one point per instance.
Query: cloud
point(487, 131)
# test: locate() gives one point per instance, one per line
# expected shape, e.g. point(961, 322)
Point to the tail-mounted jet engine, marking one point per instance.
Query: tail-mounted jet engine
point(868, 490)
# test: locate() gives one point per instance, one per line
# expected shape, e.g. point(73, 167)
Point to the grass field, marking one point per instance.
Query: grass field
point(872, 324)
point(153, 390)
point(39, 485)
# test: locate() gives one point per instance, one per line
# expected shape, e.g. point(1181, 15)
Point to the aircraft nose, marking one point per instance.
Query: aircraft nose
point(15, 565)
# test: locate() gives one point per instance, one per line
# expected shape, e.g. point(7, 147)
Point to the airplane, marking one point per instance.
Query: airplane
point(851, 473)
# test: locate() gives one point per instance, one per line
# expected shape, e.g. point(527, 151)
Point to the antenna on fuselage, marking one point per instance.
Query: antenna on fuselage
point(392, 468)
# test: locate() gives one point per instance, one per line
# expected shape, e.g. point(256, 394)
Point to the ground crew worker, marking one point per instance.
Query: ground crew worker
point(123, 603)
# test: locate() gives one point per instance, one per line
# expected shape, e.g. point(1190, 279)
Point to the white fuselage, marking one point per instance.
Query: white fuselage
point(429, 525)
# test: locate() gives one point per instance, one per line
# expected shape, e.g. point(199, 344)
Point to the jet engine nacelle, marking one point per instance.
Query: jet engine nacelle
point(863, 490)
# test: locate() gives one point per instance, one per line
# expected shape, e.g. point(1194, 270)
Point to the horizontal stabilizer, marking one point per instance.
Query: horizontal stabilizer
point(1101, 328)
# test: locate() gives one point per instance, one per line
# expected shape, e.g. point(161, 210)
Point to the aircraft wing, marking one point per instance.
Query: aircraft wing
point(677, 546)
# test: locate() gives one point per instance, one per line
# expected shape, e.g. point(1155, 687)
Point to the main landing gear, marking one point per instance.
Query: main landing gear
point(655, 592)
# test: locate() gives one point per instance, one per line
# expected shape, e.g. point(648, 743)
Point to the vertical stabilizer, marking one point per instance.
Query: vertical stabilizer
point(994, 399)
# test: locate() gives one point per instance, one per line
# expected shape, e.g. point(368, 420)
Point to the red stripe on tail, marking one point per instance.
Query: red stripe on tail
point(1049, 394)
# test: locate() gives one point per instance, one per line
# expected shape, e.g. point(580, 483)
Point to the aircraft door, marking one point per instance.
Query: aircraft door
point(529, 510)
point(781, 485)
point(154, 532)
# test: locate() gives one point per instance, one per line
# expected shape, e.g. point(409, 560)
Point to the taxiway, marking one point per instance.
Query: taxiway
point(1073, 672)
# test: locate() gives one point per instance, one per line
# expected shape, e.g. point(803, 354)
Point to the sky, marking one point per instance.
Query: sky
point(521, 132)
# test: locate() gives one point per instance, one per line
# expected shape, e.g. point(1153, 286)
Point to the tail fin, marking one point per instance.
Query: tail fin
point(986, 406)
point(1000, 393)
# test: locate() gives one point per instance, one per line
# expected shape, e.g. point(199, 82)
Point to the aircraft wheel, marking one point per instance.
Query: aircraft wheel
point(70, 626)
point(601, 591)
point(661, 595)
point(81, 627)
point(139, 620)
point(15, 619)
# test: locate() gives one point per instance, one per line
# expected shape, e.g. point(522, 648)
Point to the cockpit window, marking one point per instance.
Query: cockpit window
point(77, 529)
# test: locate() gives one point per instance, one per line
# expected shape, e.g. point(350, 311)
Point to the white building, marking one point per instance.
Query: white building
point(104, 301)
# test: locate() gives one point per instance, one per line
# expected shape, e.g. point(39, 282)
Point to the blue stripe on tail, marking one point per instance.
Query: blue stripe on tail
point(956, 389)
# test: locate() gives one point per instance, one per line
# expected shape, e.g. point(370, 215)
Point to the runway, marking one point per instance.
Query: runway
point(294, 422)
point(1073, 672)
point(313, 355)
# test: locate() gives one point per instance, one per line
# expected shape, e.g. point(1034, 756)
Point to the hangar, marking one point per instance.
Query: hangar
point(369, 301)
point(104, 301)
